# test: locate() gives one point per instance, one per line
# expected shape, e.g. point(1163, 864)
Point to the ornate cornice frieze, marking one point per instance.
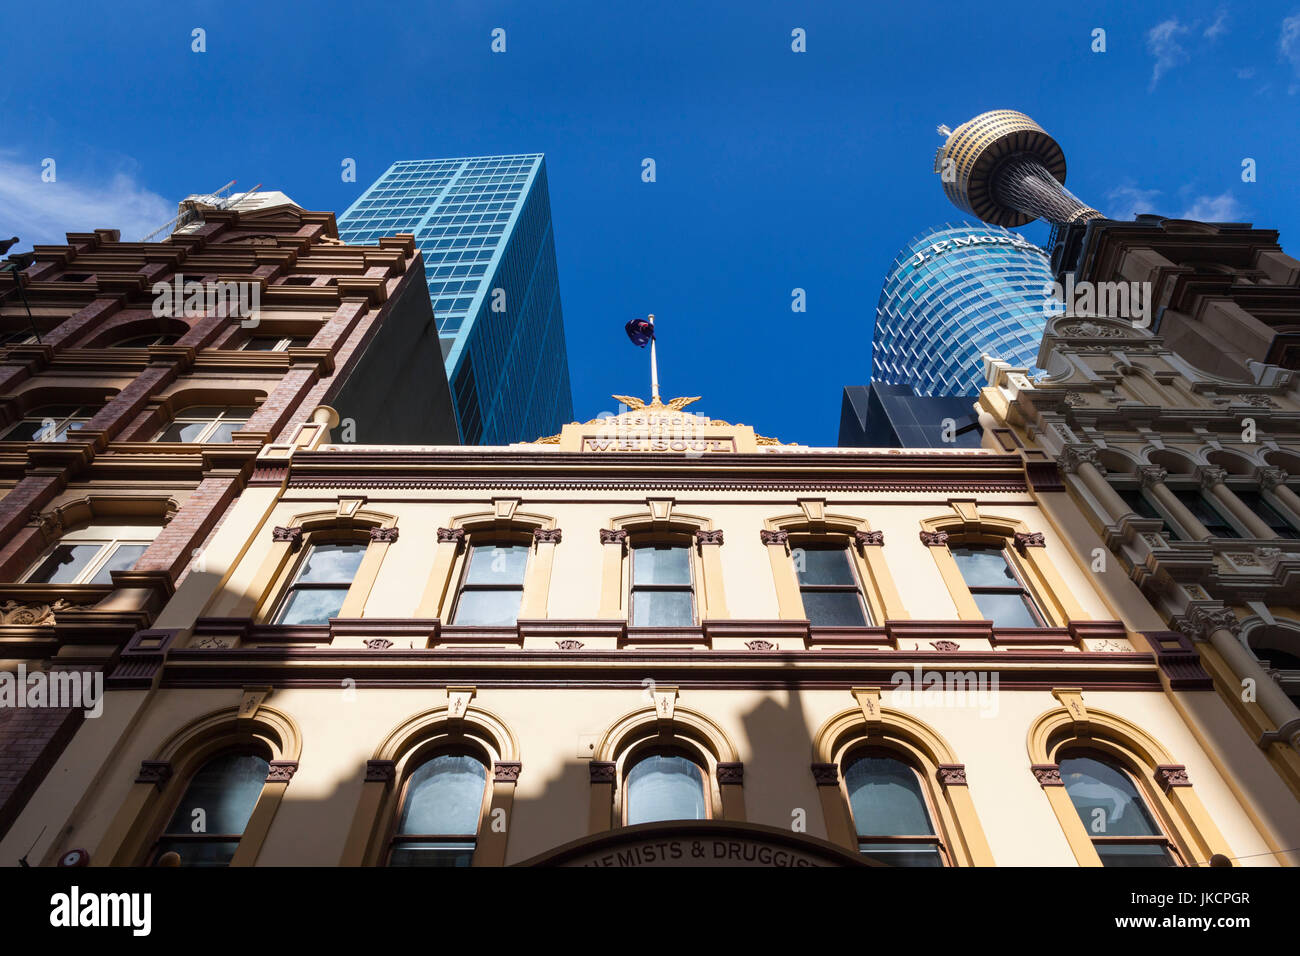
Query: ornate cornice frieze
point(506, 771)
point(826, 774)
point(1047, 774)
point(281, 771)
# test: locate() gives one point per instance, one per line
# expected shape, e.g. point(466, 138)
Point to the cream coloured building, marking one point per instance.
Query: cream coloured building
point(656, 638)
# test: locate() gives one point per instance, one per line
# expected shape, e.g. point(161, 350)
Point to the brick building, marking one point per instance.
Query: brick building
point(129, 422)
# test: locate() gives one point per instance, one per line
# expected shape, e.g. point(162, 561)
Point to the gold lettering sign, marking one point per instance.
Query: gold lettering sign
point(658, 443)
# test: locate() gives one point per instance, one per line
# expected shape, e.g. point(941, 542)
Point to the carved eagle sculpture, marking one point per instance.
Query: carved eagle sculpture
point(676, 404)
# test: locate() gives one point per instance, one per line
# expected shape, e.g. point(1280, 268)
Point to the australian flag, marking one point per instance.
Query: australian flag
point(640, 332)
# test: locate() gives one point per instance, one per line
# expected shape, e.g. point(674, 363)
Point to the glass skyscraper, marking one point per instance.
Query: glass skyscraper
point(484, 226)
point(955, 293)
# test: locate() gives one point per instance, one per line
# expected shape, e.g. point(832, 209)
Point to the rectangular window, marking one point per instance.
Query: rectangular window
point(999, 594)
point(661, 586)
point(1207, 514)
point(829, 587)
point(1268, 514)
point(493, 587)
point(321, 585)
point(87, 562)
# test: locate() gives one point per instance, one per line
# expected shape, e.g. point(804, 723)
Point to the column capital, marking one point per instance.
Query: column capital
point(547, 535)
point(708, 537)
point(1211, 475)
point(934, 539)
point(1073, 457)
point(1270, 478)
point(602, 771)
point(617, 536)
point(451, 534)
point(773, 537)
point(826, 774)
point(1200, 622)
point(1152, 475)
point(869, 538)
point(383, 535)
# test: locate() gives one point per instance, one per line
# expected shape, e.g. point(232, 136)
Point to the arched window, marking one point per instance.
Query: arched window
point(441, 807)
point(492, 585)
point(1121, 827)
point(828, 585)
point(662, 593)
point(207, 424)
point(209, 821)
point(50, 423)
point(997, 589)
point(665, 786)
point(90, 555)
point(890, 811)
point(321, 583)
point(144, 341)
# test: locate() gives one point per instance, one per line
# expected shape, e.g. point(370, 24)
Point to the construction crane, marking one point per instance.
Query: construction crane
point(191, 210)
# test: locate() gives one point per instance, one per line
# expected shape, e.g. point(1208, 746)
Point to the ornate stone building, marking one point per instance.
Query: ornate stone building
point(138, 384)
point(656, 638)
point(1182, 445)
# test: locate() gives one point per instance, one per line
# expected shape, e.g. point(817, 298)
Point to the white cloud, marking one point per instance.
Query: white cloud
point(1245, 73)
point(1288, 44)
point(1126, 202)
point(41, 213)
point(1163, 42)
point(1221, 208)
point(1219, 27)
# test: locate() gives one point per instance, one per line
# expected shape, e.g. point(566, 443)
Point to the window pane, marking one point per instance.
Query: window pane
point(886, 798)
point(64, 563)
point(444, 797)
point(823, 566)
point(660, 564)
point(221, 435)
point(25, 431)
point(1130, 854)
point(833, 608)
point(261, 343)
point(662, 609)
point(1005, 610)
point(488, 608)
point(664, 788)
point(1106, 798)
point(122, 559)
point(200, 852)
point(225, 789)
point(492, 564)
point(902, 854)
point(332, 563)
point(312, 606)
point(984, 567)
point(182, 431)
point(431, 853)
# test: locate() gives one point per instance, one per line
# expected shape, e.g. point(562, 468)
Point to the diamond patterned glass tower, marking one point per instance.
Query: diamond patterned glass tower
point(484, 226)
point(953, 294)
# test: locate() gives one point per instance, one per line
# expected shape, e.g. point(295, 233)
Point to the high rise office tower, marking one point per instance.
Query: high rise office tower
point(484, 226)
point(1004, 168)
point(953, 294)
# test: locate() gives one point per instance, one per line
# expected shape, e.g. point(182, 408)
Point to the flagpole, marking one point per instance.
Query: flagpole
point(654, 365)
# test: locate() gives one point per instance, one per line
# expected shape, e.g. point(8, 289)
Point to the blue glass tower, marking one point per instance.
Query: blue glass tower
point(953, 294)
point(484, 226)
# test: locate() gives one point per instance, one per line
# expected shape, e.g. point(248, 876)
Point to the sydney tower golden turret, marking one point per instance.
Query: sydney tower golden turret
point(1004, 168)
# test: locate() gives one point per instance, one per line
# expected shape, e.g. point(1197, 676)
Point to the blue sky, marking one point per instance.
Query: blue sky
point(775, 170)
